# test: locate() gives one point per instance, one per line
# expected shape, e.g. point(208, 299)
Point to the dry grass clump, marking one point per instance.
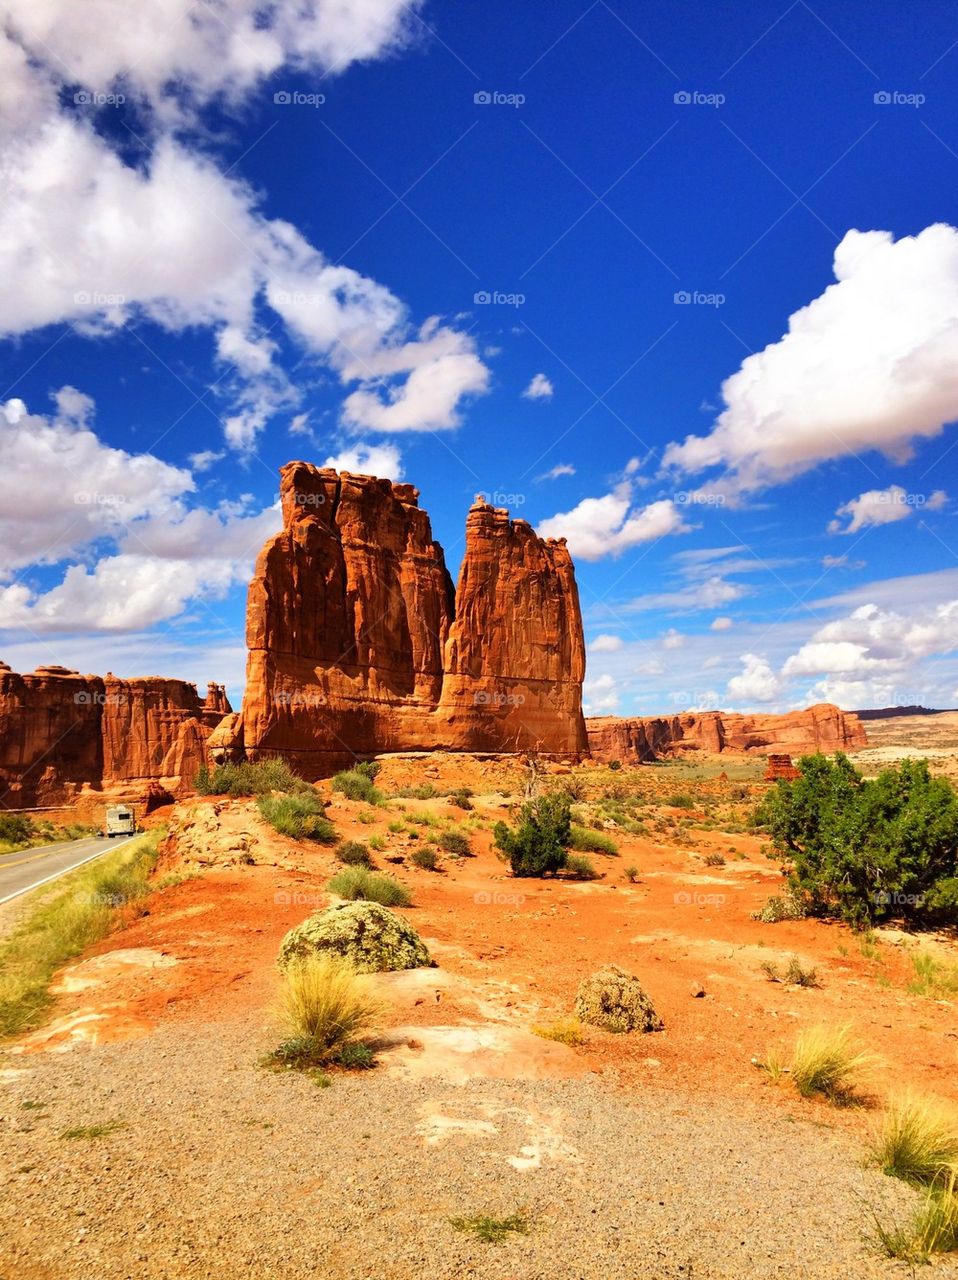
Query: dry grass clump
point(359, 883)
point(825, 1061)
point(934, 1228)
point(563, 1030)
point(325, 1005)
point(917, 1139)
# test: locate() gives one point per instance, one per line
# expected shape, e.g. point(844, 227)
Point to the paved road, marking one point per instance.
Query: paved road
point(32, 867)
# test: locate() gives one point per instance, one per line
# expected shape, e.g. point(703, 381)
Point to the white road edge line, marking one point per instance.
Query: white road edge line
point(62, 872)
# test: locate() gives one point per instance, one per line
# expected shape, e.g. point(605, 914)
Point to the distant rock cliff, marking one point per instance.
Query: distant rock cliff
point(358, 642)
point(61, 731)
point(822, 727)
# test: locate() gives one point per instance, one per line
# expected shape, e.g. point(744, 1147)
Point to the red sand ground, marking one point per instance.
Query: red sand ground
point(525, 945)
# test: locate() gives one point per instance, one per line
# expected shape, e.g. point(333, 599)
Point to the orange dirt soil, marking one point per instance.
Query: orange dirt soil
point(512, 952)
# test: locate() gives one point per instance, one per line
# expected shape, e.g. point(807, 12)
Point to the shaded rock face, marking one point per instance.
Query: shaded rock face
point(359, 644)
point(61, 731)
point(822, 727)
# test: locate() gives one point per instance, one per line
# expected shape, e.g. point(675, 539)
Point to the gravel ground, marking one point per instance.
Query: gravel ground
point(227, 1171)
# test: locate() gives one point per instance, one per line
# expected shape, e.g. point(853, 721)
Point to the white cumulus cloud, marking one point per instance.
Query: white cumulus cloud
point(884, 506)
point(609, 525)
point(540, 388)
point(871, 364)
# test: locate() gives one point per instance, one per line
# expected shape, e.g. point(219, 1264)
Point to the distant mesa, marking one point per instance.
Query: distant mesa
point(891, 713)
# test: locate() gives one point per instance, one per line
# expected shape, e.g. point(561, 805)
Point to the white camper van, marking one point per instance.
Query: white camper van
point(119, 821)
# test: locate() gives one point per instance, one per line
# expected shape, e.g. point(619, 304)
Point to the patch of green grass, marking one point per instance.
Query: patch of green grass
point(377, 843)
point(396, 827)
point(367, 818)
point(461, 798)
point(353, 853)
point(681, 801)
point(584, 840)
point(425, 859)
point(424, 791)
point(299, 815)
point(492, 1230)
point(933, 977)
point(356, 784)
point(76, 911)
point(580, 868)
point(827, 1061)
point(355, 883)
point(356, 1056)
point(95, 1130)
point(455, 844)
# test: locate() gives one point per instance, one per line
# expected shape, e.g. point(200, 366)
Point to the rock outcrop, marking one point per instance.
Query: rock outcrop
point(822, 727)
point(359, 644)
point(61, 731)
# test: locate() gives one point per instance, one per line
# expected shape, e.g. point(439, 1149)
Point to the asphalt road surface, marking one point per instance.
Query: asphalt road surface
point(28, 869)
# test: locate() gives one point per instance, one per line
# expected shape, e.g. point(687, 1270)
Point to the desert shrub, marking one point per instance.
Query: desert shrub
point(299, 815)
point(368, 768)
point(584, 840)
point(917, 1139)
point(356, 1056)
point(780, 907)
point(795, 973)
point(425, 859)
point(631, 874)
point(933, 977)
point(681, 801)
point(575, 788)
point(827, 1060)
point(615, 765)
point(377, 843)
point(580, 868)
point(396, 826)
point(325, 1004)
point(714, 860)
point(861, 848)
point(538, 844)
point(615, 1000)
point(456, 844)
point(461, 798)
point(373, 939)
point(356, 784)
point(564, 1030)
point(359, 883)
point(423, 791)
point(353, 853)
point(249, 779)
point(934, 1228)
point(15, 828)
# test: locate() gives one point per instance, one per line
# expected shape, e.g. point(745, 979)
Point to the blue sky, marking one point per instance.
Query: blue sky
point(517, 251)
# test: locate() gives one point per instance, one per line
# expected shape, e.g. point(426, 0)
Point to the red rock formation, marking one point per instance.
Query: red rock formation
point(780, 768)
point(61, 731)
point(358, 643)
point(822, 727)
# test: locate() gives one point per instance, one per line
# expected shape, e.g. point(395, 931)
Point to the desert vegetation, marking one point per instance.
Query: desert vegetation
point(325, 1006)
point(80, 909)
point(867, 849)
point(359, 883)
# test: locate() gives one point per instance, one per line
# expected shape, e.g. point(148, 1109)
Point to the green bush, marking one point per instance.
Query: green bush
point(461, 798)
point(581, 868)
point(359, 883)
point(425, 859)
point(681, 801)
point(538, 844)
point(15, 828)
point(356, 784)
point(353, 853)
point(299, 816)
point(369, 768)
point(615, 764)
point(424, 791)
point(248, 779)
point(456, 844)
point(586, 841)
point(866, 849)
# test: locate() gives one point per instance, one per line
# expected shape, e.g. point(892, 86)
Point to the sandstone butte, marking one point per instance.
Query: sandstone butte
point(62, 733)
point(822, 727)
point(359, 643)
